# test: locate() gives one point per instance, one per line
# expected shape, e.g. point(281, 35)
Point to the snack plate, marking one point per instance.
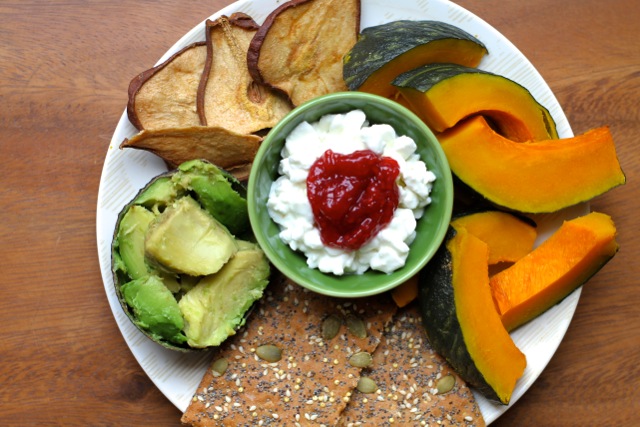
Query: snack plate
point(177, 375)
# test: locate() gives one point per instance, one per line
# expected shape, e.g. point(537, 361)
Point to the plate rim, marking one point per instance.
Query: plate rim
point(141, 346)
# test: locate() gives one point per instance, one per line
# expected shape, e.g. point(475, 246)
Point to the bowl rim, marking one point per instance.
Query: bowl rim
point(398, 276)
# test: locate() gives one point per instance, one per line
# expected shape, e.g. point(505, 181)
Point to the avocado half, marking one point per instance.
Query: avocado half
point(186, 269)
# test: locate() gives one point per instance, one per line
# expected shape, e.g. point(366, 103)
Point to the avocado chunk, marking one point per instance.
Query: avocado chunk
point(186, 239)
point(131, 236)
point(216, 307)
point(218, 192)
point(155, 308)
point(158, 194)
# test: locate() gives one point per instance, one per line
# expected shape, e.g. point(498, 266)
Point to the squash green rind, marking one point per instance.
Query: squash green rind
point(444, 94)
point(388, 47)
point(461, 321)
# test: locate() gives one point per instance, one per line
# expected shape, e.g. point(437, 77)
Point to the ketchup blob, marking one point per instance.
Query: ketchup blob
point(353, 196)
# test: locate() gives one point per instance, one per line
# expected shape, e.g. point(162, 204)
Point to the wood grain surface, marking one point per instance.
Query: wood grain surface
point(64, 73)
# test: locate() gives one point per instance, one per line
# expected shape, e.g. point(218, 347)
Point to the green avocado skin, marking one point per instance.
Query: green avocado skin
point(155, 308)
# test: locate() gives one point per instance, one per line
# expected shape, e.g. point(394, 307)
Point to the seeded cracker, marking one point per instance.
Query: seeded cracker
point(312, 382)
point(408, 375)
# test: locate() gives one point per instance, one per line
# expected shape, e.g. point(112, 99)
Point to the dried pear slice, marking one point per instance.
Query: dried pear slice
point(228, 97)
point(165, 95)
point(300, 46)
point(225, 149)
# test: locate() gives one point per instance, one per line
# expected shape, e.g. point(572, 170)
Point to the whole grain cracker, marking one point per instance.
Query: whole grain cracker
point(406, 372)
point(313, 381)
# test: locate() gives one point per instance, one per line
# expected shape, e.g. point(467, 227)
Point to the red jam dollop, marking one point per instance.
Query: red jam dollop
point(353, 196)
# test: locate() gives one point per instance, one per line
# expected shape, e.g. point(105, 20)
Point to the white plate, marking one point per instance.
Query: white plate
point(126, 171)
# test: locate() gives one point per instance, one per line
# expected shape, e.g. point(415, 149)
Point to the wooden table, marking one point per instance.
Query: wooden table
point(64, 72)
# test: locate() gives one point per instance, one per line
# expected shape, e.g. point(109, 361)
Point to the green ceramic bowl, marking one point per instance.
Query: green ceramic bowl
point(431, 228)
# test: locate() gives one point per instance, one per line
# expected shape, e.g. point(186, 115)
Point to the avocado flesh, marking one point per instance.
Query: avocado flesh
point(158, 194)
point(215, 191)
point(186, 239)
point(131, 236)
point(155, 308)
point(215, 308)
point(222, 203)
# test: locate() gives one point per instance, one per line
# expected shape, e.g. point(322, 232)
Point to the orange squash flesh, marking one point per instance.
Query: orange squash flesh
point(406, 292)
point(447, 50)
point(566, 260)
point(512, 108)
point(489, 344)
point(536, 177)
point(508, 237)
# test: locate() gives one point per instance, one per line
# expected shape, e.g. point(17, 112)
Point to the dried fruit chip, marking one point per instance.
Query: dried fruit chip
point(228, 97)
point(221, 147)
point(300, 46)
point(165, 95)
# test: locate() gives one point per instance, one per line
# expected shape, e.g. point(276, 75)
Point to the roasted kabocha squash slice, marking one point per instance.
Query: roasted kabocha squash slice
point(443, 94)
point(384, 51)
point(508, 236)
point(570, 256)
point(533, 177)
point(461, 321)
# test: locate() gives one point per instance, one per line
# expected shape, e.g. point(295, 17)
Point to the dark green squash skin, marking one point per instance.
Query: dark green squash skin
point(440, 319)
point(426, 77)
point(380, 44)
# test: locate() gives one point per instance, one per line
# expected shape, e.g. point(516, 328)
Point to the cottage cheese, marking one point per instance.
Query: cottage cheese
point(289, 206)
